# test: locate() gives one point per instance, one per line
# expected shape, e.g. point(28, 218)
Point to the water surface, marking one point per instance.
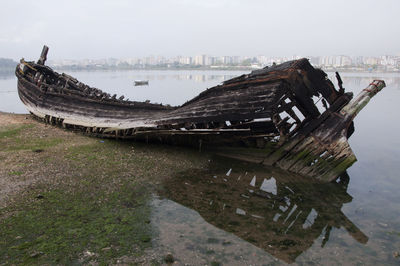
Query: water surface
point(167, 87)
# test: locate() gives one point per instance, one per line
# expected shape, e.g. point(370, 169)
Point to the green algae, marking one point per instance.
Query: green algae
point(63, 227)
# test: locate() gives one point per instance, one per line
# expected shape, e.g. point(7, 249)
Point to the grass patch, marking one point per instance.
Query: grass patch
point(16, 173)
point(93, 214)
point(78, 227)
point(34, 144)
point(112, 158)
point(12, 140)
point(12, 131)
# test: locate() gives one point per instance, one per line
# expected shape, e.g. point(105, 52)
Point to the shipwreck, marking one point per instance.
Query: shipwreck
point(268, 116)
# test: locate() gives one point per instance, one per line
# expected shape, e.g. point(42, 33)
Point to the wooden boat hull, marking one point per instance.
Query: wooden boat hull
point(267, 116)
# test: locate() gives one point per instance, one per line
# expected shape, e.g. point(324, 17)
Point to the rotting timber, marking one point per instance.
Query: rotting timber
point(268, 116)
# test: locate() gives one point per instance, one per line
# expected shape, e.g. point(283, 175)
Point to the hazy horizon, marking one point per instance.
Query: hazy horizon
point(123, 29)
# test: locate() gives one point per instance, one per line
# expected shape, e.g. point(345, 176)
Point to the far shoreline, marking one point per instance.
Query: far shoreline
point(10, 72)
point(212, 69)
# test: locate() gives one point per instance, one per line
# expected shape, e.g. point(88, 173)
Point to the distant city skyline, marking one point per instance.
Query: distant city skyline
point(383, 63)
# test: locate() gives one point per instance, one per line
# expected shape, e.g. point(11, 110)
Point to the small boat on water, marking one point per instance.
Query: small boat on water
point(141, 82)
point(267, 116)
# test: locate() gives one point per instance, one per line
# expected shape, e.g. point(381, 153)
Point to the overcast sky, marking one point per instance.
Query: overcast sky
point(121, 28)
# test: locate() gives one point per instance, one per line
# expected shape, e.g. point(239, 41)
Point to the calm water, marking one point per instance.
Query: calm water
point(237, 213)
point(167, 87)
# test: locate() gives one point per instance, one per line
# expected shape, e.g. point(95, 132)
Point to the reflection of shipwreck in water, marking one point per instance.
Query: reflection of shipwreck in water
point(279, 212)
point(268, 116)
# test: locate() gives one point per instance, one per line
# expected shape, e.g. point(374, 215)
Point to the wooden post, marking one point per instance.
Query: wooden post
point(358, 103)
point(43, 56)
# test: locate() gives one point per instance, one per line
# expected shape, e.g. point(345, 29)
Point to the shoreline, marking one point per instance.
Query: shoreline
point(217, 69)
point(92, 194)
